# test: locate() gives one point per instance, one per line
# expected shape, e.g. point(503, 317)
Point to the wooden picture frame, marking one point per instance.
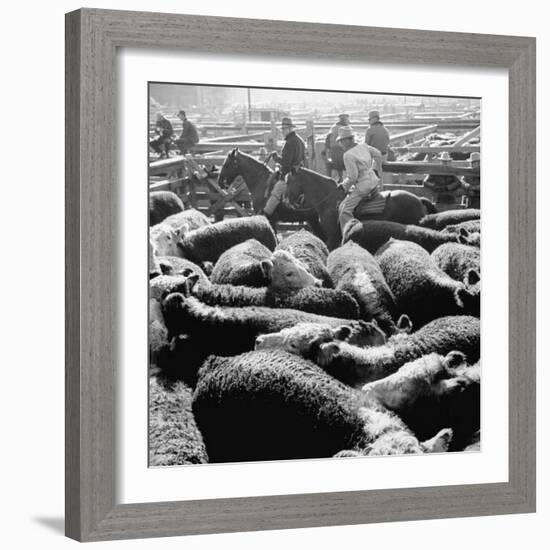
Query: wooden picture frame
point(92, 39)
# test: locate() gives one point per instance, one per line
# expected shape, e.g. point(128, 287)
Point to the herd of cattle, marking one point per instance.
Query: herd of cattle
point(267, 349)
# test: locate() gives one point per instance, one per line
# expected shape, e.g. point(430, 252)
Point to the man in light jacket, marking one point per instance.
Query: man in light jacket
point(360, 160)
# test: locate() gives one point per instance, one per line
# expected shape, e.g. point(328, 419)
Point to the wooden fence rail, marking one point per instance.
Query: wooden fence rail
point(413, 134)
point(434, 168)
point(439, 149)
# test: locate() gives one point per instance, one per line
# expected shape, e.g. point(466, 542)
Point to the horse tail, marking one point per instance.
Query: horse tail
point(429, 206)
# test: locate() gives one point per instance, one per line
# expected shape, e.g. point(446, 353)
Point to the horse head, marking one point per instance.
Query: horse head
point(294, 186)
point(230, 169)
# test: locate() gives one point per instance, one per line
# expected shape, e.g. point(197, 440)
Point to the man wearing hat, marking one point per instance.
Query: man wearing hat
point(443, 187)
point(471, 184)
point(333, 151)
point(292, 156)
point(162, 144)
point(360, 161)
point(377, 135)
point(189, 136)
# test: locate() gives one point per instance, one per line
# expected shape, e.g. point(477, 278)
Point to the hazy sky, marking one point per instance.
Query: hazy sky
point(268, 97)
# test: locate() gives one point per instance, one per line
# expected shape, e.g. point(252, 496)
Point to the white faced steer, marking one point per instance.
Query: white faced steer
point(302, 338)
point(287, 273)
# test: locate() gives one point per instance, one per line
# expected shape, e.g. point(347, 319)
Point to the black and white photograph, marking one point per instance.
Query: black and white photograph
point(314, 274)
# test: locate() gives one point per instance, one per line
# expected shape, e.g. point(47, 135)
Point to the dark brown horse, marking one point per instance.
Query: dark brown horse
point(321, 192)
point(257, 177)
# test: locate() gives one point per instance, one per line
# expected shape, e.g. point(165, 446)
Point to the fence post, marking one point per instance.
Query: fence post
point(310, 143)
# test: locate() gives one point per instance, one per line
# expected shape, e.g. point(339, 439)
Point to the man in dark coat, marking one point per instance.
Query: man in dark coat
point(377, 136)
point(162, 144)
point(292, 156)
point(189, 136)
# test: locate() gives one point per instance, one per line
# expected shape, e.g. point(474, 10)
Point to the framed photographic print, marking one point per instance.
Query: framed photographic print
point(281, 309)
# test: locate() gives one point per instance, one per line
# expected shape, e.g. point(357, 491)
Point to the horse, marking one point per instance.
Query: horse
point(322, 193)
point(257, 177)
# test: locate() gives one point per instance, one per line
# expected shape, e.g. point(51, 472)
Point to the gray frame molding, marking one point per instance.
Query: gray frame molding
point(92, 38)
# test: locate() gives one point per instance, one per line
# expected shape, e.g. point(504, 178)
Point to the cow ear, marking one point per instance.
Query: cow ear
point(190, 283)
point(343, 332)
point(207, 267)
point(329, 350)
point(472, 277)
point(266, 267)
point(183, 229)
point(460, 294)
point(462, 236)
point(454, 359)
point(404, 324)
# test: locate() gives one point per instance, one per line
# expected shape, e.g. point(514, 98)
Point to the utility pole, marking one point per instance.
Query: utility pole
point(249, 105)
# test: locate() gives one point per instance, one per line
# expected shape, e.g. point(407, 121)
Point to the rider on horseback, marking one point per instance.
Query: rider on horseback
point(292, 156)
point(360, 182)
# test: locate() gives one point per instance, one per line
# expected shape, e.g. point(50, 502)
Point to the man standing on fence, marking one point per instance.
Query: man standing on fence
point(161, 145)
point(292, 156)
point(189, 136)
point(333, 151)
point(377, 136)
point(360, 161)
point(471, 184)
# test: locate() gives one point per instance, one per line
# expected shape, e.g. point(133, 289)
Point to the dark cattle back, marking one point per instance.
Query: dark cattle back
point(449, 217)
point(271, 405)
point(241, 265)
point(230, 330)
point(210, 242)
point(420, 288)
point(457, 260)
point(163, 204)
point(371, 235)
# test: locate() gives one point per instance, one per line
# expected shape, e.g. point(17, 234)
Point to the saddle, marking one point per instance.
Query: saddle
point(373, 204)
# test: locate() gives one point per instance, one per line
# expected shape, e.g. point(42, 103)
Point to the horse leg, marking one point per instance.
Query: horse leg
point(331, 227)
point(272, 219)
point(316, 227)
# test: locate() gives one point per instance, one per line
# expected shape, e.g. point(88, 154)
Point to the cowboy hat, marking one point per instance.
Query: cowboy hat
point(287, 121)
point(345, 132)
point(343, 115)
point(374, 114)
